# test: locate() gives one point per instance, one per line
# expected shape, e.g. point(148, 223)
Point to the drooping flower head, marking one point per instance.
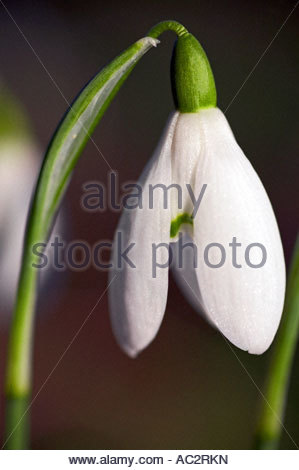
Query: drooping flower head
point(218, 231)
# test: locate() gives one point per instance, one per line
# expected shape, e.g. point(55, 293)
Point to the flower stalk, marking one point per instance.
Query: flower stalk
point(276, 390)
point(61, 157)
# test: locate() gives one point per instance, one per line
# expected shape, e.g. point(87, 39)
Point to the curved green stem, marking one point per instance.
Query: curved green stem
point(168, 25)
point(270, 423)
point(61, 157)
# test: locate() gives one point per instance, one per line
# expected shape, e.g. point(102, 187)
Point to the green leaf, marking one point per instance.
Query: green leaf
point(61, 157)
point(74, 132)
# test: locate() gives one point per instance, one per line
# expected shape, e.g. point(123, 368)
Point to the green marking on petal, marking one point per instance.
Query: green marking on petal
point(178, 221)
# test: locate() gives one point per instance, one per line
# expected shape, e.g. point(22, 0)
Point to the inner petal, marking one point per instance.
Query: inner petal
point(182, 219)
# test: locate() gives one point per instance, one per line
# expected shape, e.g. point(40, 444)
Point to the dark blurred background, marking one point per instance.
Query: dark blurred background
point(187, 390)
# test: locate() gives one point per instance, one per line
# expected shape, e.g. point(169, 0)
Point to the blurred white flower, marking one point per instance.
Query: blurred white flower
point(18, 172)
point(19, 167)
point(244, 303)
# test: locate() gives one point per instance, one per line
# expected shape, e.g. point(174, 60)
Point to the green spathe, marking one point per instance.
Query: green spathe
point(192, 78)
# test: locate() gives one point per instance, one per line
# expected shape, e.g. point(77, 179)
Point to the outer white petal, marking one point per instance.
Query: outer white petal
point(246, 303)
point(137, 299)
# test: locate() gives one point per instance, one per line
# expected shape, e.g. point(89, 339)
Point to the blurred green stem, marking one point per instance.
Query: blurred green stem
point(18, 379)
point(17, 423)
point(270, 422)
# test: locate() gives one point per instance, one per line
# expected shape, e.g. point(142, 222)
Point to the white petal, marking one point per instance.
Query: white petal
point(244, 303)
point(137, 299)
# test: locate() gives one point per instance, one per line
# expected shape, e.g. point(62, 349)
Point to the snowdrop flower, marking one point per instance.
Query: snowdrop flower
point(242, 297)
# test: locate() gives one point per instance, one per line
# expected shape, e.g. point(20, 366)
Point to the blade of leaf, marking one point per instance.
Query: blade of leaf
point(61, 157)
point(75, 130)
